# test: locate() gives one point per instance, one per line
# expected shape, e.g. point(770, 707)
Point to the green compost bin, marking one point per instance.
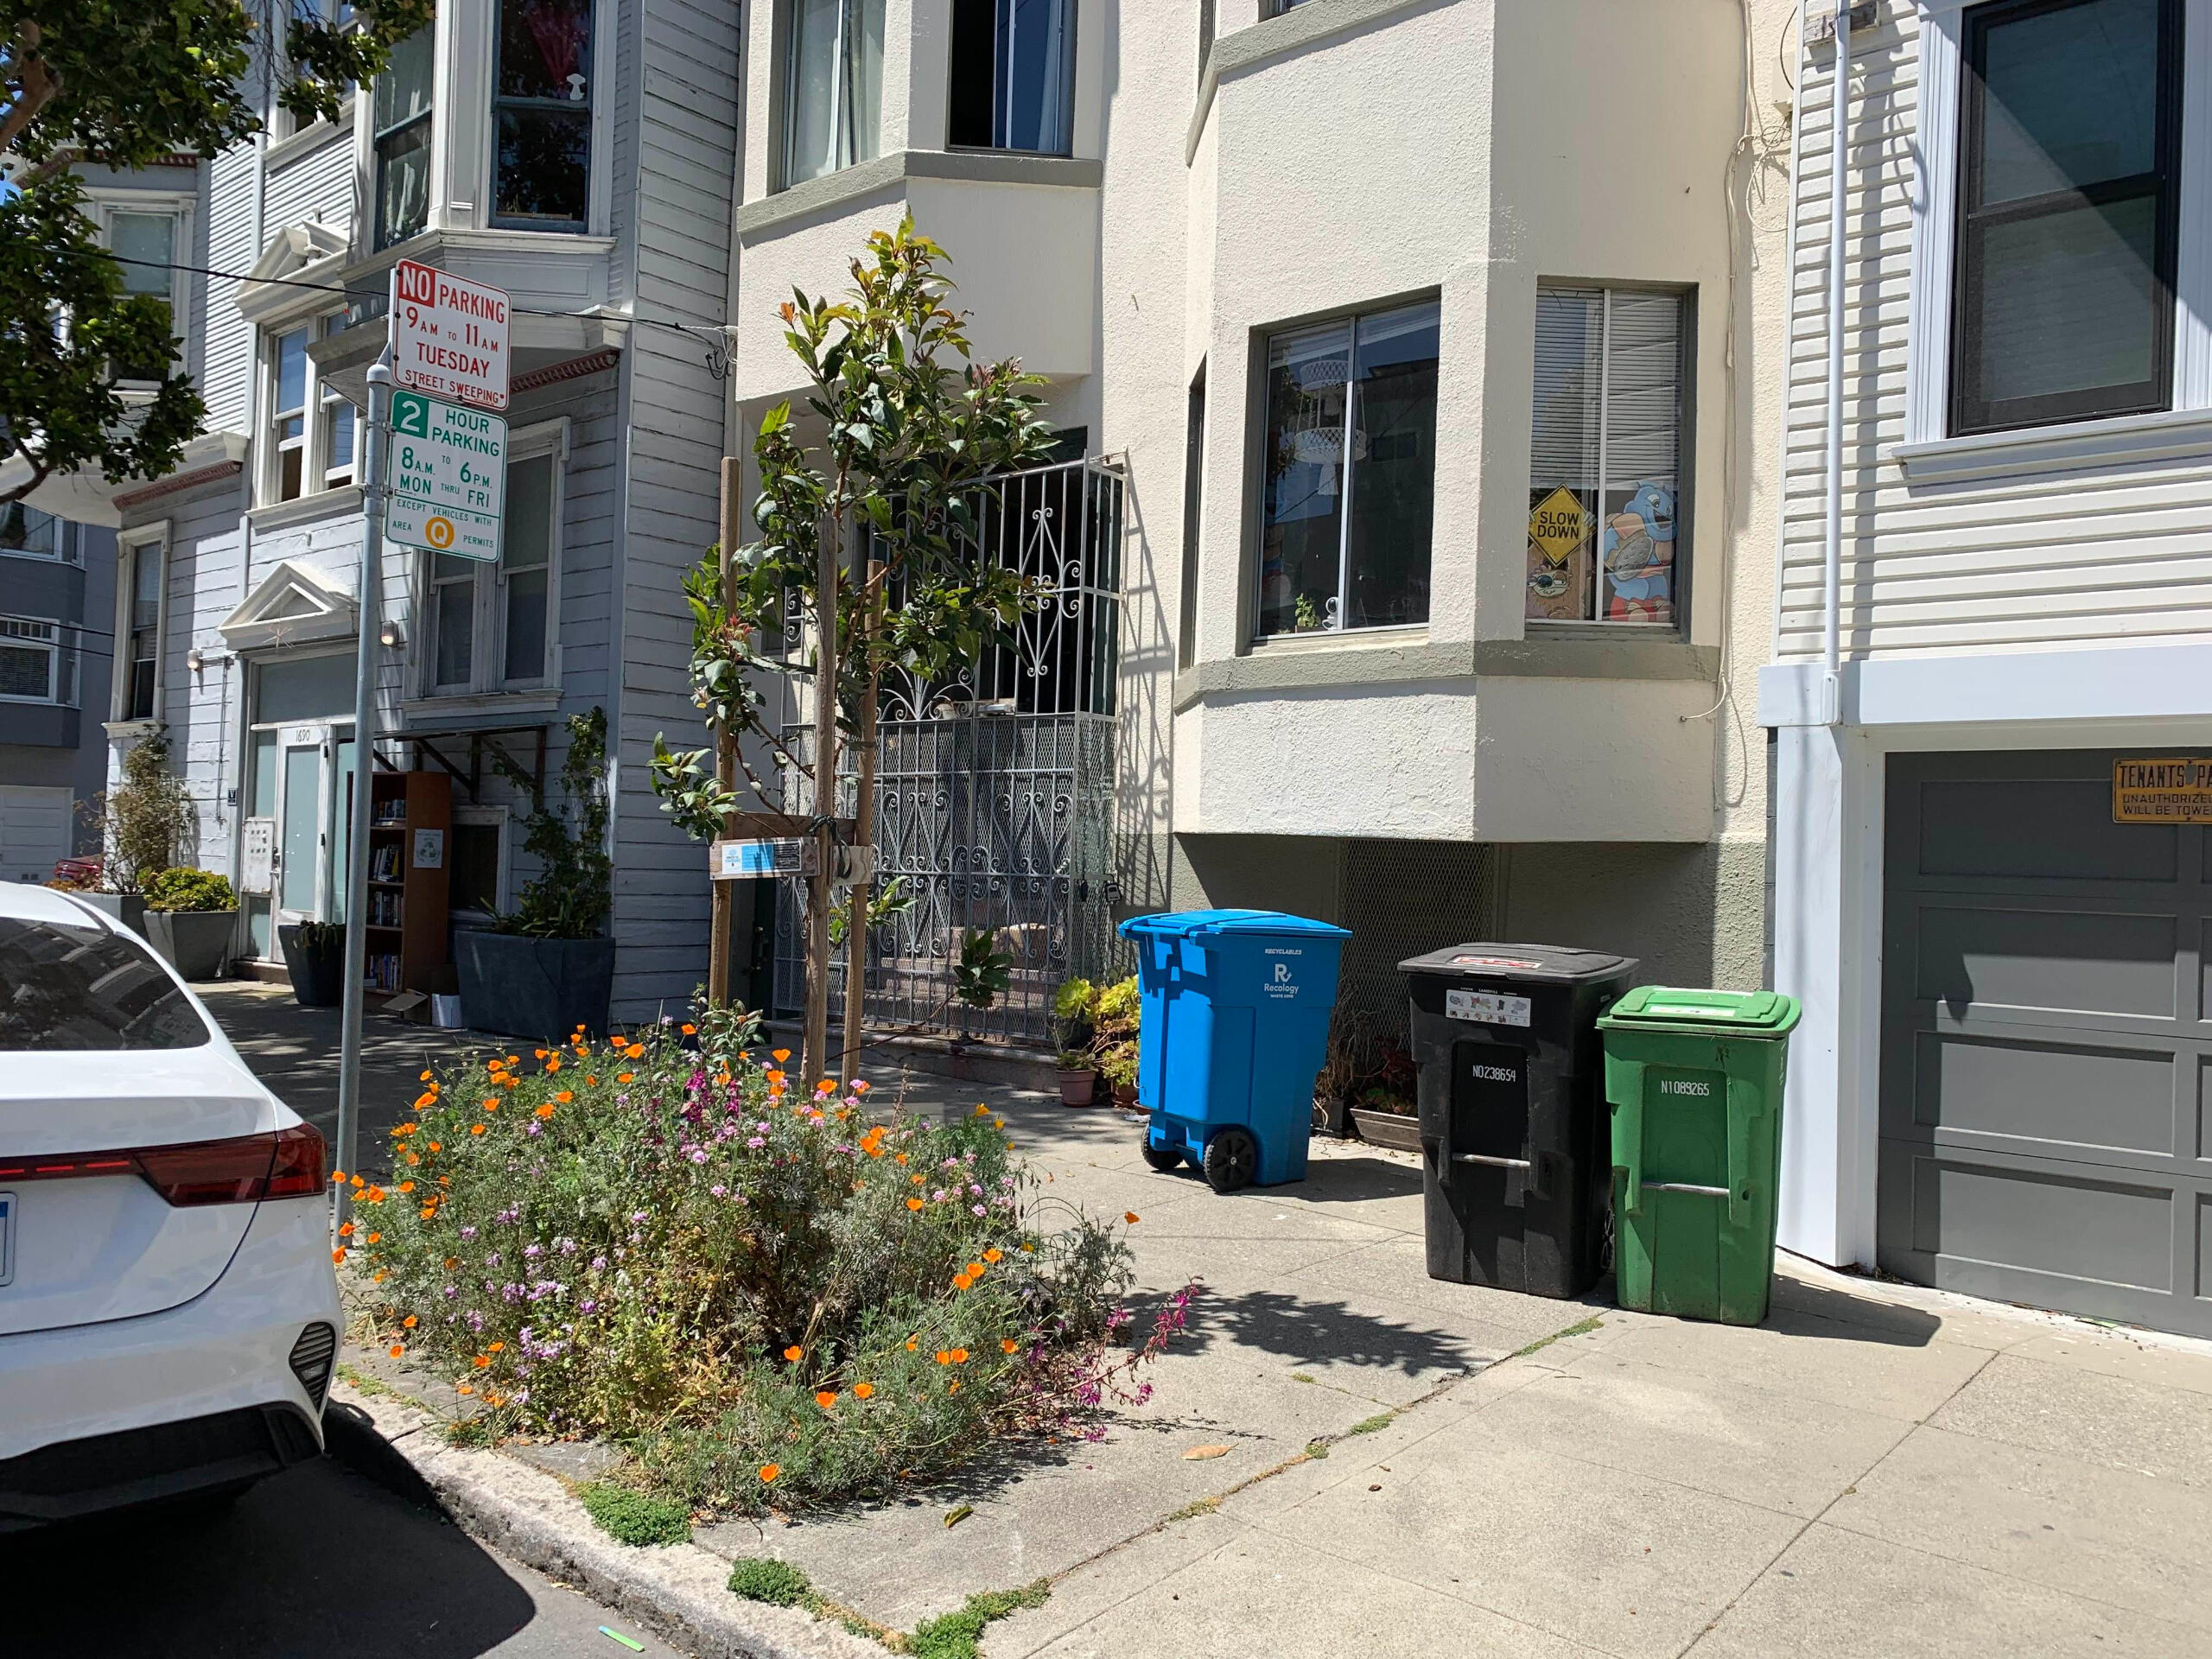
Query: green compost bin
point(1695, 1082)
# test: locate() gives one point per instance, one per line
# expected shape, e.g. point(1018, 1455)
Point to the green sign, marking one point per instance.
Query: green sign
point(447, 475)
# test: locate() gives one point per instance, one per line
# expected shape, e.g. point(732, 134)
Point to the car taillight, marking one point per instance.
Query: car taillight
point(244, 1169)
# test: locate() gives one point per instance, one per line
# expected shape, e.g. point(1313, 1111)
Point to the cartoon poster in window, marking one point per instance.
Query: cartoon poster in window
point(1638, 550)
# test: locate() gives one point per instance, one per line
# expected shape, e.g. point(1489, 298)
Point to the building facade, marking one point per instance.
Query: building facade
point(1992, 613)
point(57, 586)
point(579, 155)
point(1422, 339)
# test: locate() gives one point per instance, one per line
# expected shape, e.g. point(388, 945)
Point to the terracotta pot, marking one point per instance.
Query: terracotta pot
point(1125, 1094)
point(1077, 1087)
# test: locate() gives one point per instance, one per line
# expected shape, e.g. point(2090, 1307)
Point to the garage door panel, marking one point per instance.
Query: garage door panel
point(2062, 960)
point(2053, 828)
point(2035, 1215)
point(2018, 1086)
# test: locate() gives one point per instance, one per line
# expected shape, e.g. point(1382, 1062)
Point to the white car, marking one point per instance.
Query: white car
point(169, 1309)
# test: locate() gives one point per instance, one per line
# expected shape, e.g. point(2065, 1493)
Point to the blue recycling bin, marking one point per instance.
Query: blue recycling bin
point(1236, 1025)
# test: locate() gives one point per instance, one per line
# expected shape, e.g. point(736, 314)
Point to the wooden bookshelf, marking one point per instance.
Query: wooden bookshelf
point(411, 865)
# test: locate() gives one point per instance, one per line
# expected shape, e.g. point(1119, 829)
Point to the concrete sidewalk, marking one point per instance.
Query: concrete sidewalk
point(1346, 1456)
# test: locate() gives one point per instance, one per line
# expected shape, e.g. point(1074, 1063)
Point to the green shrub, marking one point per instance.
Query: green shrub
point(954, 1636)
point(764, 1293)
point(779, 1583)
point(185, 889)
point(635, 1517)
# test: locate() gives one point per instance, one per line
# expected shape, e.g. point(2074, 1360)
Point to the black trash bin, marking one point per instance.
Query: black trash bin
point(1515, 1159)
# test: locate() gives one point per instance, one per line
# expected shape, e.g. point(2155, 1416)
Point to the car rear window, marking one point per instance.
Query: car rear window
point(64, 987)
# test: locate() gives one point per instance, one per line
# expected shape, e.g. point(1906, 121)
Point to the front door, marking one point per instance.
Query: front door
point(314, 785)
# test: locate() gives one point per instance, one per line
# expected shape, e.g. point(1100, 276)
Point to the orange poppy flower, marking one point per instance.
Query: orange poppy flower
point(1008, 1344)
point(339, 1256)
point(913, 1343)
point(793, 1352)
point(779, 1055)
point(917, 1181)
point(863, 1390)
point(690, 1030)
point(423, 1077)
point(825, 1398)
point(407, 1187)
point(945, 1357)
point(374, 1238)
point(338, 1176)
point(476, 1128)
point(491, 1105)
point(481, 1363)
point(590, 1081)
point(955, 1388)
point(961, 1281)
point(625, 1077)
point(960, 1355)
point(435, 1146)
point(913, 1204)
point(407, 1323)
point(975, 1269)
point(995, 1255)
point(553, 1065)
point(495, 1347)
point(415, 1158)
point(565, 1096)
point(769, 1471)
point(396, 1351)
point(1129, 1216)
point(452, 1261)
point(900, 1157)
point(347, 1230)
point(636, 1051)
point(464, 1388)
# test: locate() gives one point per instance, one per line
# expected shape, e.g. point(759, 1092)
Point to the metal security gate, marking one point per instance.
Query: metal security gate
point(995, 787)
point(2046, 1131)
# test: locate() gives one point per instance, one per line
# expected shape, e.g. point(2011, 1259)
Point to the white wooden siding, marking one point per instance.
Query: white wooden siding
point(1993, 564)
point(317, 187)
point(226, 361)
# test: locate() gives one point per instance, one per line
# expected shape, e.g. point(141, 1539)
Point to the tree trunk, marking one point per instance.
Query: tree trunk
point(864, 835)
point(814, 1052)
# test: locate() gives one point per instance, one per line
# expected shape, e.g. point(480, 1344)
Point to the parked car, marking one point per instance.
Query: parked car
point(169, 1309)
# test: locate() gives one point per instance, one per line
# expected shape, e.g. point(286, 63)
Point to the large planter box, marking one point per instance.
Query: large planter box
point(126, 907)
point(318, 976)
point(196, 943)
point(543, 989)
point(1387, 1129)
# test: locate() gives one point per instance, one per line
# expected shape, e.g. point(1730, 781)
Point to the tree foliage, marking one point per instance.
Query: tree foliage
point(122, 84)
point(573, 889)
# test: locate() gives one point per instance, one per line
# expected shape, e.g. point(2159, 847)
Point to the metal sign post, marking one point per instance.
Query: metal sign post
point(445, 337)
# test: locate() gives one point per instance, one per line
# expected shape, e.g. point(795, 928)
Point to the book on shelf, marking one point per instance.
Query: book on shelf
point(383, 864)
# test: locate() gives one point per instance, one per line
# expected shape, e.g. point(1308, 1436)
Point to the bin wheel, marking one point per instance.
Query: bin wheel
point(1232, 1158)
point(1163, 1159)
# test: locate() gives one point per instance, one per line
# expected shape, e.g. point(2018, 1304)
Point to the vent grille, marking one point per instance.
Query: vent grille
point(311, 1358)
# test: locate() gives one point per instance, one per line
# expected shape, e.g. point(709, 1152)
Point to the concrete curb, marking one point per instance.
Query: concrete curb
point(679, 1592)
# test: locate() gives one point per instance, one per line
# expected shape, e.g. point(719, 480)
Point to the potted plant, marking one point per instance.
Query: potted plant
point(314, 956)
point(191, 918)
point(544, 969)
point(1385, 1107)
point(1075, 1018)
point(1115, 1041)
point(144, 823)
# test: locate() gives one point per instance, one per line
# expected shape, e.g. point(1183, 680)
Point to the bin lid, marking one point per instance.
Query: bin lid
point(1754, 1013)
point(1552, 964)
point(1187, 924)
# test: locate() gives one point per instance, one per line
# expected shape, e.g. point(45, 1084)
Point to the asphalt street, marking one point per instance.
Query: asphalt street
point(325, 1561)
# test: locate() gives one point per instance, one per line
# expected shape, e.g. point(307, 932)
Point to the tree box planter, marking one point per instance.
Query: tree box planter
point(318, 976)
point(196, 943)
point(543, 989)
point(1078, 1088)
point(126, 907)
point(1387, 1129)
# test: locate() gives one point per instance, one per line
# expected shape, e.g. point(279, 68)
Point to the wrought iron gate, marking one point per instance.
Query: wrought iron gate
point(993, 790)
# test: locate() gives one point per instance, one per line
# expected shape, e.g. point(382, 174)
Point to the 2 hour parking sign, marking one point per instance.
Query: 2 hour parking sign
point(447, 475)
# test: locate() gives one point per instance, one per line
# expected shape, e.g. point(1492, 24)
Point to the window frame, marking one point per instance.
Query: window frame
point(1680, 566)
point(68, 539)
point(1255, 491)
point(1966, 414)
point(1194, 480)
point(50, 646)
point(316, 445)
point(372, 206)
point(786, 80)
point(1068, 66)
point(155, 204)
point(488, 605)
point(594, 138)
point(131, 546)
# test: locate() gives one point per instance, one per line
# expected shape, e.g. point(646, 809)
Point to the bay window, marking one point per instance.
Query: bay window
point(1349, 459)
point(401, 138)
point(1012, 82)
point(833, 87)
point(30, 660)
point(2068, 201)
point(1605, 537)
point(146, 248)
point(540, 109)
point(492, 623)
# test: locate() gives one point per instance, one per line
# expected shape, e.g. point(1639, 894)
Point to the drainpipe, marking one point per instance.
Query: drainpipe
point(1832, 574)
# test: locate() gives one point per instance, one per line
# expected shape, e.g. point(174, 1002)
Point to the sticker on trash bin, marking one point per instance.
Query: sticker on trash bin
point(1494, 961)
point(1486, 1007)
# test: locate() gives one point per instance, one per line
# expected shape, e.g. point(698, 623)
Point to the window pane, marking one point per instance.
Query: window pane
point(456, 622)
point(340, 415)
point(1394, 468)
point(2072, 98)
point(403, 89)
point(2067, 301)
point(545, 49)
point(472, 860)
point(146, 586)
point(835, 89)
point(1302, 510)
point(150, 241)
point(288, 475)
point(1570, 343)
point(262, 803)
point(70, 989)
point(526, 625)
point(526, 533)
point(300, 831)
point(544, 168)
point(1643, 412)
point(26, 671)
point(1036, 52)
point(292, 370)
point(402, 183)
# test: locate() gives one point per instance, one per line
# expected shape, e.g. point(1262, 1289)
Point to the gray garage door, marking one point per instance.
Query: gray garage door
point(2046, 1134)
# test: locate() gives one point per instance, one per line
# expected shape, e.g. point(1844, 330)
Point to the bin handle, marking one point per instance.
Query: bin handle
point(1495, 1163)
point(1687, 1186)
point(1627, 1133)
point(1744, 1105)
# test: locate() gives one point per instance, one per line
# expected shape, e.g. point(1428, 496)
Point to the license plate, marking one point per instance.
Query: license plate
point(7, 1236)
point(1486, 1007)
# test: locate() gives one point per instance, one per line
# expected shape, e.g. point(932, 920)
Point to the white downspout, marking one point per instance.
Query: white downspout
point(1832, 573)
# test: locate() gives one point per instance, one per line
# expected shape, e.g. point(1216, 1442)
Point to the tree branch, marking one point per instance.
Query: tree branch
point(35, 86)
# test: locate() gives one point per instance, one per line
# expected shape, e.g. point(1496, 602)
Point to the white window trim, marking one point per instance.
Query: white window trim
point(524, 443)
point(51, 646)
point(314, 441)
point(127, 543)
point(106, 204)
point(1929, 452)
point(598, 172)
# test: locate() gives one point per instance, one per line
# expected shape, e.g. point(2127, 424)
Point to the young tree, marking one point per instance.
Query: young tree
point(869, 546)
point(121, 83)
